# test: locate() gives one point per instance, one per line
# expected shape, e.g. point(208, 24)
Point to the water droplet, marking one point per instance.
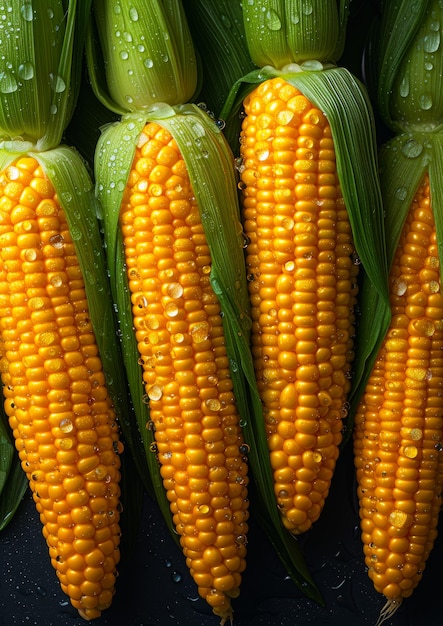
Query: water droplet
point(66, 426)
point(410, 452)
point(8, 83)
point(155, 393)
point(30, 254)
point(56, 241)
point(213, 404)
point(425, 102)
point(401, 193)
point(398, 518)
point(416, 434)
point(27, 11)
point(412, 148)
point(36, 303)
point(174, 290)
point(399, 287)
point(26, 70)
point(176, 577)
point(404, 87)
point(171, 310)
point(272, 20)
point(57, 83)
point(148, 63)
point(431, 42)
point(262, 154)
point(424, 327)
point(66, 443)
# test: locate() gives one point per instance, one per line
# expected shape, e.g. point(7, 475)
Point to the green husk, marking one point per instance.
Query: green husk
point(140, 53)
point(13, 481)
point(400, 62)
point(40, 64)
point(279, 32)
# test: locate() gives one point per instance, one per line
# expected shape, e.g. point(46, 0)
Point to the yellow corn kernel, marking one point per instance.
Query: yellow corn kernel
point(398, 466)
point(302, 285)
point(43, 299)
point(185, 367)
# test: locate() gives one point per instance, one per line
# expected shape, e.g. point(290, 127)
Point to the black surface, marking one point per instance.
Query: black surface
point(155, 589)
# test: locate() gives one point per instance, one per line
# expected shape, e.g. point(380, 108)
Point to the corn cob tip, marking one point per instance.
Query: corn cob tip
point(85, 614)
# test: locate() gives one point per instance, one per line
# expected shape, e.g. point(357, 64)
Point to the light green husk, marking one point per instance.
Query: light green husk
point(140, 53)
point(41, 45)
point(279, 32)
point(404, 64)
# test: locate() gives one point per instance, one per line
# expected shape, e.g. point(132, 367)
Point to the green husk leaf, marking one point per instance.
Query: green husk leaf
point(114, 155)
point(416, 100)
point(404, 161)
point(390, 41)
point(139, 54)
point(39, 69)
point(279, 32)
point(436, 189)
point(6, 450)
point(13, 481)
point(218, 32)
point(12, 492)
point(68, 173)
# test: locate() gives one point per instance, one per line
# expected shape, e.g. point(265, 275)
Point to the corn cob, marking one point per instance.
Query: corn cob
point(180, 337)
point(303, 291)
point(168, 236)
point(399, 421)
point(59, 409)
point(53, 298)
point(305, 245)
